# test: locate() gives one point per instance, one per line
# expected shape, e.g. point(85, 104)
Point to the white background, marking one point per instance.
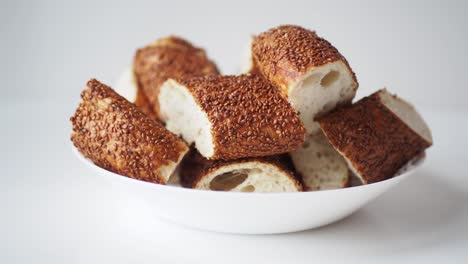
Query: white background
point(54, 211)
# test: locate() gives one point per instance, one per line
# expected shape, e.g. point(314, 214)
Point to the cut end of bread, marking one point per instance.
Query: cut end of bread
point(320, 165)
point(167, 172)
point(248, 177)
point(184, 116)
point(320, 91)
point(407, 113)
point(262, 174)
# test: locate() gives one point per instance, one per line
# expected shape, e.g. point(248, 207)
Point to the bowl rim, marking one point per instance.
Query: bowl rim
point(415, 164)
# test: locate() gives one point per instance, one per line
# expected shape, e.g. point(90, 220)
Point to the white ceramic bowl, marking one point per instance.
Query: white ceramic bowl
point(250, 213)
point(246, 213)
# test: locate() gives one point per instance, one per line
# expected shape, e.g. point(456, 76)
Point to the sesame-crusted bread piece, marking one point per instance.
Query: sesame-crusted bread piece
point(377, 135)
point(115, 135)
point(169, 57)
point(320, 165)
point(230, 117)
point(307, 69)
point(261, 174)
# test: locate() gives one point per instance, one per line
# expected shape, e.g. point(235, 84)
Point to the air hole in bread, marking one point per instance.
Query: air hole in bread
point(309, 81)
point(248, 188)
point(229, 180)
point(329, 78)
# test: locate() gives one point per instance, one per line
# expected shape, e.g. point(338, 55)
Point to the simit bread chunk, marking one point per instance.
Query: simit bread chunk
point(117, 136)
point(230, 117)
point(262, 174)
point(308, 70)
point(170, 57)
point(377, 135)
point(320, 165)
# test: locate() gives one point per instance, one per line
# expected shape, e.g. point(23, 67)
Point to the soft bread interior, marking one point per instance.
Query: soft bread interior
point(183, 116)
point(320, 91)
point(354, 180)
point(168, 171)
point(248, 177)
point(407, 113)
point(320, 165)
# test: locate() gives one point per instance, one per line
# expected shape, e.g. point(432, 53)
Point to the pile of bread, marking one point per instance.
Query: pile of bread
point(288, 124)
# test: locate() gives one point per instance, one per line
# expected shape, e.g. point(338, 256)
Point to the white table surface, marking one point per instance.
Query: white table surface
point(55, 211)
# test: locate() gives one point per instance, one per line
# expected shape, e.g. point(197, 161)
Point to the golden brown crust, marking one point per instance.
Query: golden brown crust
point(285, 53)
point(249, 118)
point(170, 57)
point(372, 138)
point(117, 136)
point(174, 42)
point(194, 167)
